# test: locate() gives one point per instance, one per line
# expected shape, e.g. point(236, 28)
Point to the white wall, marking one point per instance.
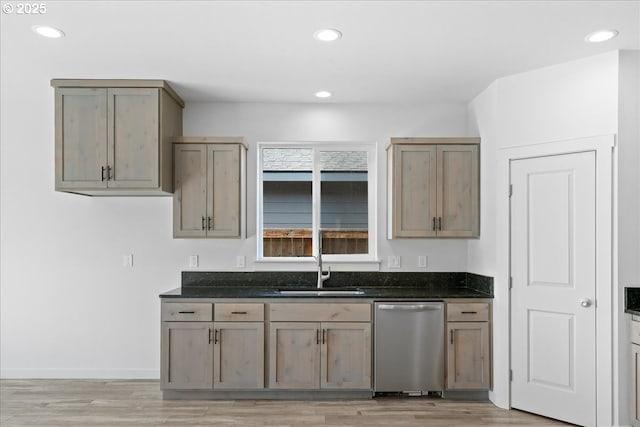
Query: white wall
point(68, 306)
point(567, 101)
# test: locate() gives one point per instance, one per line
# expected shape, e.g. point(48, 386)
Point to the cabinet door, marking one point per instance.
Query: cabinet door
point(346, 356)
point(239, 355)
point(294, 355)
point(81, 138)
point(414, 190)
point(635, 384)
point(468, 356)
point(223, 190)
point(133, 137)
point(190, 190)
point(187, 355)
point(458, 185)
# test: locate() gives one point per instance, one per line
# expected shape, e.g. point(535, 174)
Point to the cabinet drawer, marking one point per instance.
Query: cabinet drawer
point(635, 332)
point(292, 312)
point(187, 312)
point(468, 312)
point(239, 312)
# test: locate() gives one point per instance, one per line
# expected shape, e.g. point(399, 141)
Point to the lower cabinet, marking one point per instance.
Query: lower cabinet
point(210, 354)
point(325, 355)
point(187, 355)
point(468, 349)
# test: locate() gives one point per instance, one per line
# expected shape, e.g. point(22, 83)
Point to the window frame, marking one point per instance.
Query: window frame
point(372, 178)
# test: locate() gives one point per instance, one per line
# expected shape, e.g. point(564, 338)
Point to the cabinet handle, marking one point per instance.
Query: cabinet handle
point(433, 226)
point(238, 312)
point(451, 336)
point(317, 336)
point(208, 223)
point(209, 335)
point(186, 312)
point(109, 177)
point(324, 333)
point(215, 337)
point(102, 173)
point(203, 223)
point(440, 223)
point(468, 312)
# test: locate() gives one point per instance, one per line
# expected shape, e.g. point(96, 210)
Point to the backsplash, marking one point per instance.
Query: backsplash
point(339, 279)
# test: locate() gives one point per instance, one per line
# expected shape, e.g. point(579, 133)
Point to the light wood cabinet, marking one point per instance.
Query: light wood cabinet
point(187, 355)
point(434, 185)
point(209, 196)
point(200, 354)
point(320, 346)
point(469, 346)
point(113, 137)
point(238, 355)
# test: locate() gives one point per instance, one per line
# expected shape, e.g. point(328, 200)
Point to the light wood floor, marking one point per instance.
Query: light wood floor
point(129, 403)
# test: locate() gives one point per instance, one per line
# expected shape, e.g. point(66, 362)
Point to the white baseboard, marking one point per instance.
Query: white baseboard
point(128, 374)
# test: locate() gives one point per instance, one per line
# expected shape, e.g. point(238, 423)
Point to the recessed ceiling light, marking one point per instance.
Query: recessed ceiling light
point(323, 94)
point(601, 36)
point(47, 31)
point(327, 35)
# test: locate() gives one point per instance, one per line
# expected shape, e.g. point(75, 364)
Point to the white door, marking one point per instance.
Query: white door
point(553, 329)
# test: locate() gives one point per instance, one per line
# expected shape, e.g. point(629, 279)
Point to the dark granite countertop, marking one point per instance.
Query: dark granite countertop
point(632, 300)
point(378, 285)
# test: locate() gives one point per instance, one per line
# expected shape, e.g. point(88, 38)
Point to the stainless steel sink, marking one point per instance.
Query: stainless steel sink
point(320, 292)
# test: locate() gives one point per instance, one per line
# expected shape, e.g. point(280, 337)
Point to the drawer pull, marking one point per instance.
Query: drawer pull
point(238, 312)
point(215, 336)
point(209, 335)
point(186, 312)
point(469, 312)
point(451, 336)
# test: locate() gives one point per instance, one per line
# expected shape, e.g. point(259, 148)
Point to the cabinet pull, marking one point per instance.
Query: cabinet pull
point(451, 336)
point(109, 177)
point(209, 335)
point(203, 223)
point(208, 223)
point(433, 226)
point(317, 336)
point(238, 312)
point(468, 312)
point(186, 312)
point(215, 337)
point(324, 333)
point(440, 223)
point(102, 173)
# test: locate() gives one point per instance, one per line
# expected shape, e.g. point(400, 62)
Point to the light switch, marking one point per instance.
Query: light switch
point(127, 260)
point(193, 261)
point(240, 261)
point(422, 261)
point(393, 261)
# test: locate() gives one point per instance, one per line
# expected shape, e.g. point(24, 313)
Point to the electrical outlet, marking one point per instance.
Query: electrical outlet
point(193, 261)
point(393, 261)
point(422, 261)
point(127, 260)
point(240, 261)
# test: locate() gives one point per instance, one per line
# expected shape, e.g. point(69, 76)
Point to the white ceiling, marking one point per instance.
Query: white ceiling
point(263, 51)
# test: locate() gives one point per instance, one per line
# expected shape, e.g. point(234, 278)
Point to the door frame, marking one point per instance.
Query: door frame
point(606, 367)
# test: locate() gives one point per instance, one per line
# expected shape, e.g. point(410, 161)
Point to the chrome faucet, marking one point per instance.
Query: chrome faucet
point(321, 276)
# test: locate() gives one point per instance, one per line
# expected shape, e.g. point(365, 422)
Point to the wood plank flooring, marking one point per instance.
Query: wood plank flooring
point(132, 403)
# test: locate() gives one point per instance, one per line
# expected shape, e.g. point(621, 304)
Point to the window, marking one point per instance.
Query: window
point(305, 189)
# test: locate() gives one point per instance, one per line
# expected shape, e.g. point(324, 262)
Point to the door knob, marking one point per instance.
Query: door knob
point(585, 302)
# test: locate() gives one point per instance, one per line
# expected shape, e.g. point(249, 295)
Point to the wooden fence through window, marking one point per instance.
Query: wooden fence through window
point(297, 242)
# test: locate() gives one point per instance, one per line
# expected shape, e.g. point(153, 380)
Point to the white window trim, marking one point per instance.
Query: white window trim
point(372, 181)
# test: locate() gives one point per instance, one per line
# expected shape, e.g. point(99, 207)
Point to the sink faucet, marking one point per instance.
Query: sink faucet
point(321, 276)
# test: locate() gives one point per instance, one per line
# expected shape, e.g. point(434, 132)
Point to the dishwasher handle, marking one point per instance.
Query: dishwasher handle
point(410, 307)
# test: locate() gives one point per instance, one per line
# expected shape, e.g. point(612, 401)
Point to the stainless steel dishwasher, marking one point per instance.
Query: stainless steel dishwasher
point(409, 347)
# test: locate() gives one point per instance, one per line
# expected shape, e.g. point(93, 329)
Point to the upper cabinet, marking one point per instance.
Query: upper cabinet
point(209, 197)
point(114, 137)
point(434, 185)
